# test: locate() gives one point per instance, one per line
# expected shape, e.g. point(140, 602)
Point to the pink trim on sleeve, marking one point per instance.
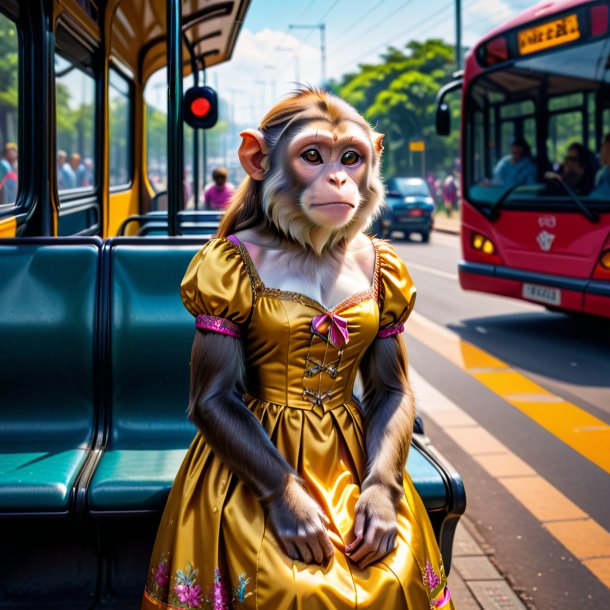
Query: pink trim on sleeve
point(217, 325)
point(390, 331)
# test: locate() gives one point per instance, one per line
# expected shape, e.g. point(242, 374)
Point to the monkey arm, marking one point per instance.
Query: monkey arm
point(237, 437)
point(389, 413)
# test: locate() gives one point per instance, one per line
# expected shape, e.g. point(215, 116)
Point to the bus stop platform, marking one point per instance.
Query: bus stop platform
point(474, 582)
point(447, 224)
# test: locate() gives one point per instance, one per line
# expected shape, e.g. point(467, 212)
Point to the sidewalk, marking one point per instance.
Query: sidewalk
point(443, 224)
point(474, 582)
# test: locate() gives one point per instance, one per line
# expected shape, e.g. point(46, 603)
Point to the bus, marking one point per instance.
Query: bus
point(95, 343)
point(535, 158)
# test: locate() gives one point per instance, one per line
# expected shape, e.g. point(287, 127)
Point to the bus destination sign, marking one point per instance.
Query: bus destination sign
point(549, 35)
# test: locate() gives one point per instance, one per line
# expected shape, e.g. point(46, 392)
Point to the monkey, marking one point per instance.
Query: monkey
point(294, 233)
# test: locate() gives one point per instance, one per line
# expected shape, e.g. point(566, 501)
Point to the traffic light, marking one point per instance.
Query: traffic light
point(201, 107)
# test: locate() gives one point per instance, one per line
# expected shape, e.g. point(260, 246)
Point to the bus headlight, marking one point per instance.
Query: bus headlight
point(604, 260)
point(480, 243)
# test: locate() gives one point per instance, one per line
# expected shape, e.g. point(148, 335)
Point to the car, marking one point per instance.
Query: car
point(409, 208)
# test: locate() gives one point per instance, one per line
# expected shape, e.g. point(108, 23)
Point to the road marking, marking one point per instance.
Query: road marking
point(586, 539)
point(576, 427)
point(433, 271)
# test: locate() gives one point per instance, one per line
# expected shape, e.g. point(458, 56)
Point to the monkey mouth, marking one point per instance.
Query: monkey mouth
point(332, 203)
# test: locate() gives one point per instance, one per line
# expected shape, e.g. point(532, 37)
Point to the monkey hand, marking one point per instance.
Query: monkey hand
point(300, 524)
point(374, 526)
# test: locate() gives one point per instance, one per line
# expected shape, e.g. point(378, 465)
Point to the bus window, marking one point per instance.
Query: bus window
point(547, 103)
point(564, 129)
point(156, 131)
point(120, 131)
point(75, 95)
point(9, 75)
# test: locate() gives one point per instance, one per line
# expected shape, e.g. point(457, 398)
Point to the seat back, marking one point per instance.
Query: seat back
point(48, 325)
point(151, 334)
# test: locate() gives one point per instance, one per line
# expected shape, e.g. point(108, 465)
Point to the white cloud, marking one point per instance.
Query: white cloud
point(494, 11)
point(260, 73)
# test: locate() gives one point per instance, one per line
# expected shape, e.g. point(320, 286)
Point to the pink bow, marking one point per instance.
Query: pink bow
point(333, 327)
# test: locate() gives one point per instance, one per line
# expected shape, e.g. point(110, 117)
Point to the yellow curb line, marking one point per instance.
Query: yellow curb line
point(586, 539)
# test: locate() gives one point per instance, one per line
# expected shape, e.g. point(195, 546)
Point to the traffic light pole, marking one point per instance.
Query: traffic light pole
point(175, 126)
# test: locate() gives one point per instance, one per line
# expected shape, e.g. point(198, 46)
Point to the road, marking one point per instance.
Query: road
point(518, 399)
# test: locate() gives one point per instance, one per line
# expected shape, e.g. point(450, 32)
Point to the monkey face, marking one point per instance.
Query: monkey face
point(330, 165)
point(316, 162)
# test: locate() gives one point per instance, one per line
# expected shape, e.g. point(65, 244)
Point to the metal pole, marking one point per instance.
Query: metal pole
point(458, 34)
point(175, 125)
point(322, 28)
point(323, 51)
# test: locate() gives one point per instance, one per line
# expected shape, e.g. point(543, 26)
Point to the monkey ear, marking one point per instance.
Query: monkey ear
point(252, 153)
point(377, 142)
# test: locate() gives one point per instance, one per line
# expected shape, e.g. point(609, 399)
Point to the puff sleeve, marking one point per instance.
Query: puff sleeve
point(216, 288)
point(396, 292)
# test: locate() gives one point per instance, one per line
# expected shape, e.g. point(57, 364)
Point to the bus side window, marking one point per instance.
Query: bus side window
point(75, 97)
point(9, 109)
point(120, 155)
point(156, 132)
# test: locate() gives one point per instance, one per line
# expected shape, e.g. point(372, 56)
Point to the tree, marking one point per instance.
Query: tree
point(9, 66)
point(398, 96)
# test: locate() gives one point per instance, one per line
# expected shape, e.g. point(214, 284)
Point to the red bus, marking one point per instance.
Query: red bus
point(535, 158)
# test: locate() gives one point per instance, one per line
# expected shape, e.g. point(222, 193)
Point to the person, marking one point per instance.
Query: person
point(218, 195)
point(66, 178)
point(602, 178)
point(518, 168)
point(450, 194)
point(79, 169)
point(577, 172)
point(293, 494)
point(8, 173)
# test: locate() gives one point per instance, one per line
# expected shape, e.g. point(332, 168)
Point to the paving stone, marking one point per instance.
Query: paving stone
point(476, 568)
point(495, 595)
point(460, 593)
point(464, 544)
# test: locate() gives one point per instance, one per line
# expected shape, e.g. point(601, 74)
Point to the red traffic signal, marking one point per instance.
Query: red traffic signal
point(201, 107)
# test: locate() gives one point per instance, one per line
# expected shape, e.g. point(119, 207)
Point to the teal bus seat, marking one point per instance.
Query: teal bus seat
point(48, 360)
point(150, 335)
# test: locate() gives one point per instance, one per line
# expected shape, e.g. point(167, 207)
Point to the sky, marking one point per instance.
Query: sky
point(270, 55)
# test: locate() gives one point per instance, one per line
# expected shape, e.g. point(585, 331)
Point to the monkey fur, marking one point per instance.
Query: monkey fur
point(294, 241)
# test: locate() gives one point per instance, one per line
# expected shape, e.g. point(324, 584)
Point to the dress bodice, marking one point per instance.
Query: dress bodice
point(298, 353)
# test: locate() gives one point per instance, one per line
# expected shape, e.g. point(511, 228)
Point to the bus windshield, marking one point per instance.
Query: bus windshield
point(538, 131)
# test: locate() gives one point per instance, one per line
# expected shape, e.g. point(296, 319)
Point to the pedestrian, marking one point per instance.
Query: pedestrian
point(8, 173)
point(218, 195)
point(449, 194)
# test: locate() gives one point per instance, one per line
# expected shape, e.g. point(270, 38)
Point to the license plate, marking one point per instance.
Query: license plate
point(416, 213)
point(542, 294)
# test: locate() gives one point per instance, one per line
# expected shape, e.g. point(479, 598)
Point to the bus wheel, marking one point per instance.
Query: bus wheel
point(425, 237)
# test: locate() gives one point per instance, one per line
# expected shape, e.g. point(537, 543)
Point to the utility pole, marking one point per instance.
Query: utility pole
point(458, 34)
point(322, 28)
point(297, 70)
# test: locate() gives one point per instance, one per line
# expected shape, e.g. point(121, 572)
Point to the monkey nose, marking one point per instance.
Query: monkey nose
point(338, 178)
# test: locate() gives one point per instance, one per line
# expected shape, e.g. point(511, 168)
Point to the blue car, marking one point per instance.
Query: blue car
point(409, 209)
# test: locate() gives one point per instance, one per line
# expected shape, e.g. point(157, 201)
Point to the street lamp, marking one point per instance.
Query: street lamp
point(322, 28)
point(297, 71)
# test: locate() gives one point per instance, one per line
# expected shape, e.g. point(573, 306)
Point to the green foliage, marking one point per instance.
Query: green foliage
point(398, 97)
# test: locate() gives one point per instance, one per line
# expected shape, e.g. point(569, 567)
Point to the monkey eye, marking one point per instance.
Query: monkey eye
point(312, 156)
point(351, 157)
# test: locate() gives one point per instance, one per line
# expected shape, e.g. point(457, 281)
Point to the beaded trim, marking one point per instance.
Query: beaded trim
point(217, 325)
point(259, 288)
point(396, 329)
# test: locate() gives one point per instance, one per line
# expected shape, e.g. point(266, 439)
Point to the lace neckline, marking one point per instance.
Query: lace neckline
point(259, 288)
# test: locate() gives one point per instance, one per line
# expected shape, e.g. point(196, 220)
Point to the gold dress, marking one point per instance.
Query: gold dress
point(214, 549)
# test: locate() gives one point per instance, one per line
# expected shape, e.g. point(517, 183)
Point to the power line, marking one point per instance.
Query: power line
point(399, 36)
point(383, 20)
point(348, 29)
